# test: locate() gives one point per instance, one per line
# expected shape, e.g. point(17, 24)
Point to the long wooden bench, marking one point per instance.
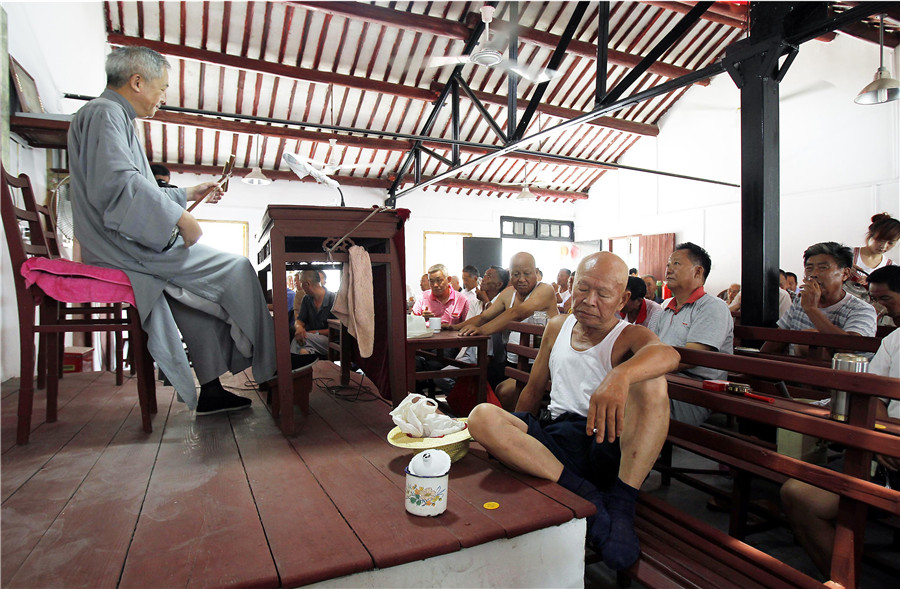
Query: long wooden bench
point(678, 550)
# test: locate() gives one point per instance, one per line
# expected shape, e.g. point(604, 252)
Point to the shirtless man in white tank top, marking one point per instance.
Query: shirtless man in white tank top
point(617, 412)
point(524, 296)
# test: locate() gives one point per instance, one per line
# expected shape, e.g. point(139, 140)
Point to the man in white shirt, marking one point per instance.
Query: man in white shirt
point(469, 289)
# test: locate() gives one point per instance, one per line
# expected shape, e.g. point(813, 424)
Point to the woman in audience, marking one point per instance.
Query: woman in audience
point(881, 238)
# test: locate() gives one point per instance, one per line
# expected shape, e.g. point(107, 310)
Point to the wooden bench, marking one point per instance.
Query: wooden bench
point(679, 550)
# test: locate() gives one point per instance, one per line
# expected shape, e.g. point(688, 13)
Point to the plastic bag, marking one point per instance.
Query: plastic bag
point(417, 416)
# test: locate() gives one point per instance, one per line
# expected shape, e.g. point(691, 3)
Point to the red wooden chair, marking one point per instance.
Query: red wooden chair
point(54, 318)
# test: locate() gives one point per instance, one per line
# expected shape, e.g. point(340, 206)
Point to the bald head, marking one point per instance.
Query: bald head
point(522, 274)
point(604, 264)
point(522, 260)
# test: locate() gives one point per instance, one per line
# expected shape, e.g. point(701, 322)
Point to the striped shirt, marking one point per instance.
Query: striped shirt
point(849, 313)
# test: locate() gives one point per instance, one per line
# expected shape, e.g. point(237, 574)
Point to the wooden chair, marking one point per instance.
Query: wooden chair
point(54, 318)
point(114, 310)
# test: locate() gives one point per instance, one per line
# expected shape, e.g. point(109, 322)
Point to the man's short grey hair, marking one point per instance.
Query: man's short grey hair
point(124, 62)
point(438, 268)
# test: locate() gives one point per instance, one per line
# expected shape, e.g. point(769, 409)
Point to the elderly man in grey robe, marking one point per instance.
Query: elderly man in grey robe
point(124, 220)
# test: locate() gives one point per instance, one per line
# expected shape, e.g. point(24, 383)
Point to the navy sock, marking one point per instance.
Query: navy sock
point(623, 548)
point(597, 524)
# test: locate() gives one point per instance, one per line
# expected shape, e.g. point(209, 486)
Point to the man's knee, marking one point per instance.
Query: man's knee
point(484, 419)
point(651, 395)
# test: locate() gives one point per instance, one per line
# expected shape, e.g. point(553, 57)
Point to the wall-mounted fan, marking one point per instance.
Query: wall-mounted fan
point(489, 54)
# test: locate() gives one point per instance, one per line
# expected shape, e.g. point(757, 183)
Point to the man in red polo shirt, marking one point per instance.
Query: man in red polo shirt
point(639, 310)
point(693, 319)
point(442, 300)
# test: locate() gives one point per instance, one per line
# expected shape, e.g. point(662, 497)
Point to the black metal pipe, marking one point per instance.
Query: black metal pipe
point(555, 60)
point(680, 28)
point(482, 109)
point(602, 51)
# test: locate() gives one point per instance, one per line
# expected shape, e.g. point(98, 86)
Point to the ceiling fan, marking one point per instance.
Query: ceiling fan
point(488, 54)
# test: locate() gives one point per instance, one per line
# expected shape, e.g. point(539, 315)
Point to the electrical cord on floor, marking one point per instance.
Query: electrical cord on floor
point(358, 394)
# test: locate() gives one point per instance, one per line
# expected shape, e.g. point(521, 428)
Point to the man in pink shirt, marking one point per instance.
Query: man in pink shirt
point(442, 300)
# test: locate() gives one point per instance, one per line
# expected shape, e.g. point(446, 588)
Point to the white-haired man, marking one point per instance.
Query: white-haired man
point(124, 220)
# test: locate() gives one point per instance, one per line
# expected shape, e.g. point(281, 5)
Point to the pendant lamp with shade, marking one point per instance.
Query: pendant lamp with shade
point(256, 176)
point(883, 88)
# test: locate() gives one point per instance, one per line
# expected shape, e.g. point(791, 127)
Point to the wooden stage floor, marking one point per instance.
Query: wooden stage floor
point(227, 500)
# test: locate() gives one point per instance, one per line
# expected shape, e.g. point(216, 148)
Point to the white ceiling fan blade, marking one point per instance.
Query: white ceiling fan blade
point(535, 75)
point(444, 60)
point(303, 168)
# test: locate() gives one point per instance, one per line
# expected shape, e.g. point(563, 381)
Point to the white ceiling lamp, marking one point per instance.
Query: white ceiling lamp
point(526, 194)
point(256, 176)
point(883, 88)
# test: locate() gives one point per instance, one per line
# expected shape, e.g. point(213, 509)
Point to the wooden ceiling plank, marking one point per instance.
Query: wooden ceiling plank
point(107, 16)
point(201, 83)
point(272, 99)
point(248, 29)
point(711, 14)
point(285, 30)
point(390, 17)
point(198, 146)
point(320, 48)
point(182, 24)
point(204, 27)
point(180, 145)
point(226, 22)
point(140, 18)
point(267, 26)
point(181, 82)
point(162, 21)
point(275, 69)
point(256, 94)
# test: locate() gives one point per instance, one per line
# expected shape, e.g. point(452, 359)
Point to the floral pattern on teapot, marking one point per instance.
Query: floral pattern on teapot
point(424, 496)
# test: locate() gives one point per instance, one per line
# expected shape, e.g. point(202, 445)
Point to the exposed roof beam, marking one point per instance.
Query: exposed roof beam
point(418, 23)
point(289, 176)
point(515, 189)
point(716, 13)
point(279, 132)
point(298, 73)
point(275, 175)
point(869, 32)
point(275, 69)
point(568, 113)
point(459, 31)
point(589, 50)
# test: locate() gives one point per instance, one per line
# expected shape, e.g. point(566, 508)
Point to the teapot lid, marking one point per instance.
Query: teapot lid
point(430, 463)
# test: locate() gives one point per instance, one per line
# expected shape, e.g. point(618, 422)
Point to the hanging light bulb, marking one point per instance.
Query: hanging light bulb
point(256, 176)
point(883, 88)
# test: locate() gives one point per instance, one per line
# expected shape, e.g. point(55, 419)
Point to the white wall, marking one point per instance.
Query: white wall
point(840, 164)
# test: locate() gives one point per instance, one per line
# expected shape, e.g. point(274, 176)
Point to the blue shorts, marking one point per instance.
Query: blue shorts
point(566, 439)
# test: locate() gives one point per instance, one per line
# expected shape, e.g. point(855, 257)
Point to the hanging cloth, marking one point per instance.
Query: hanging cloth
point(353, 305)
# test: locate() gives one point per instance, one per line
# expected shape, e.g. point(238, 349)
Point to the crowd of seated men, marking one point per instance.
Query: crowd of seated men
point(607, 344)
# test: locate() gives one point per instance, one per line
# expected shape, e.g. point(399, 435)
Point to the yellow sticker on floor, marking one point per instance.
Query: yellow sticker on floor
point(491, 505)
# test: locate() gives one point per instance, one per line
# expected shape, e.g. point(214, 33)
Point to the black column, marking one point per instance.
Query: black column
point(753, 64)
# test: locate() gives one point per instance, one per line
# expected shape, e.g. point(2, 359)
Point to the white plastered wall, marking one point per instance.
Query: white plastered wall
point(840, 164)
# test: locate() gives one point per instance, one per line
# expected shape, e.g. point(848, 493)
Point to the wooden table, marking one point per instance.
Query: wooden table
point(443, 340)
point(299, 234)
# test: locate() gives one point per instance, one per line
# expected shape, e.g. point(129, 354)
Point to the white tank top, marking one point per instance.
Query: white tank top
point(576, 374)
point(514, 336)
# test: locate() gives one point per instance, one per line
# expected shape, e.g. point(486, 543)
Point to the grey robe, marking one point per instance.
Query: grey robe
point(124, 220)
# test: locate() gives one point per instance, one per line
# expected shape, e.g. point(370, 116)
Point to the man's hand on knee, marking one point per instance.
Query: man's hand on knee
point(606, 412)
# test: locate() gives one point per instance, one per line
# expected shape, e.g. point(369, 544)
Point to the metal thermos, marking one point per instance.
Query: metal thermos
point(848, 363)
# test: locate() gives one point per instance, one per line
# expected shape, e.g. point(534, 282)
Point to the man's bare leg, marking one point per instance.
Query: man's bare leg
point(643, 434)
point(507, 394)
point(506, 437)
point(812, 512)
point(645, 429)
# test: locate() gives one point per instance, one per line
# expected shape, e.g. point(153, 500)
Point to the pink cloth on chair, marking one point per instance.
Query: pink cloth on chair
point(73, 282)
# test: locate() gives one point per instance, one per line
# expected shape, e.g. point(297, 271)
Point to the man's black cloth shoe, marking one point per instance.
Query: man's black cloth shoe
point(215, 399)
